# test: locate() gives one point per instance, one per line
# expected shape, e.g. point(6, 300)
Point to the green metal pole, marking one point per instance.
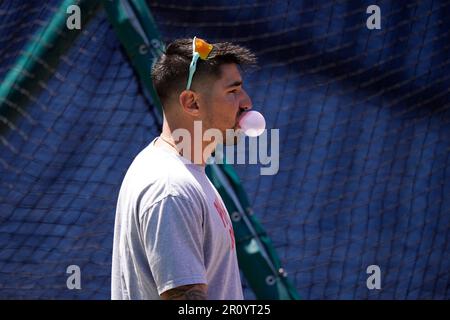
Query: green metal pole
point(139, 36)
point(38, 61)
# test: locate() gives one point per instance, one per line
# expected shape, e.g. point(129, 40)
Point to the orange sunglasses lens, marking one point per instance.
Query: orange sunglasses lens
point(203, 48)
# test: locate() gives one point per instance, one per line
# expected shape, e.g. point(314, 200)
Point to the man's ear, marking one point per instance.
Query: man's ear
point(188, 101)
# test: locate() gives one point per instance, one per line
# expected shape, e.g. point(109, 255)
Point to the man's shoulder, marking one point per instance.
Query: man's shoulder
point(154, 163)
point(155, 173)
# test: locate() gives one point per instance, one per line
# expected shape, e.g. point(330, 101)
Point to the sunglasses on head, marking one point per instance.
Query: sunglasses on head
point(200, 49)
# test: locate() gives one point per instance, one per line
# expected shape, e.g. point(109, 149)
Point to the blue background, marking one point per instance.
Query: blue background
point(364, 153)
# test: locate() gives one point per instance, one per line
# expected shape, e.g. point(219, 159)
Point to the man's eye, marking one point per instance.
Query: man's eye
point(233, 91)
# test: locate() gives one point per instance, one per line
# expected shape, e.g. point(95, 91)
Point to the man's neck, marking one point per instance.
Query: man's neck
point(193, 148)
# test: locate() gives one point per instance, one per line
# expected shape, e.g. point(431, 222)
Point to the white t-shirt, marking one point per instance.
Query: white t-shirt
point(171, 229)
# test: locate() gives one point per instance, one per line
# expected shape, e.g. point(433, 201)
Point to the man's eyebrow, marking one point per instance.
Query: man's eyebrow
point(235, 84)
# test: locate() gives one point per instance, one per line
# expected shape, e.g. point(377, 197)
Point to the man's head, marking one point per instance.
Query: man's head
point(216, 96)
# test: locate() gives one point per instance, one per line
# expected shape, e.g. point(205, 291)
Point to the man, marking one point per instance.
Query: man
point(173, 237)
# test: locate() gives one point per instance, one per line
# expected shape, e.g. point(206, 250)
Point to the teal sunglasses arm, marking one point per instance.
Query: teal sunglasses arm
point(192, 69)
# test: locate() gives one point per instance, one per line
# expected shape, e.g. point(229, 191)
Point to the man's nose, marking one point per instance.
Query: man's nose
point(246, 102)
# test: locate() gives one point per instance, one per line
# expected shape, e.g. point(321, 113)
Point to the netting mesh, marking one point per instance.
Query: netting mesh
point(364, 131)
point(63, 162)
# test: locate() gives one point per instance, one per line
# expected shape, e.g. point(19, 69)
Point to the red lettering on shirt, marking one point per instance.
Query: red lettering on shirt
point(226, 222)
point(221, 212)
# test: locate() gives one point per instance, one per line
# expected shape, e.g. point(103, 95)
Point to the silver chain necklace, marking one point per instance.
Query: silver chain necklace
point(169, 143)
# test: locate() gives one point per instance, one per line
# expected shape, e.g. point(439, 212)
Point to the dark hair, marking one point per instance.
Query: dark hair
point(170, 72)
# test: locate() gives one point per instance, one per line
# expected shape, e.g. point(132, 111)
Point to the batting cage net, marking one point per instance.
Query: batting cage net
point(363, 118)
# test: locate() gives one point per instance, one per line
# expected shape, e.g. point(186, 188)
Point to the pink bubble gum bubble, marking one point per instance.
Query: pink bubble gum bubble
point(252, 123)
